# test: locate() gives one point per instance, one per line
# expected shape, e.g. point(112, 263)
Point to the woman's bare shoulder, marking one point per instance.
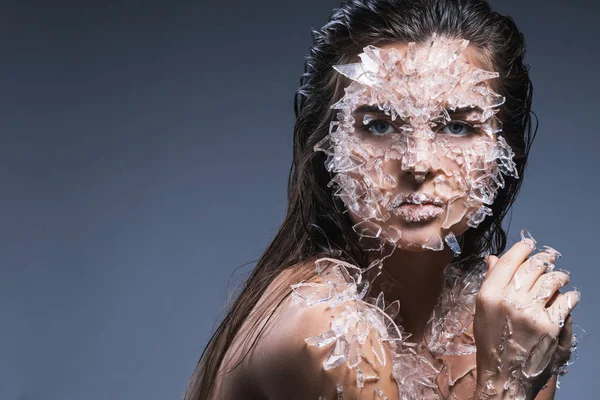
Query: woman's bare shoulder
point(236, 377)
point(299, 355)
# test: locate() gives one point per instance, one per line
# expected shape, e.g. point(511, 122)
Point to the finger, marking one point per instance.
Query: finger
point(506, 266)
point(566, 336)
point(548, 284)
point(562, 307)
point(552, 298)
point(529, 272)
point(491, 262)
point(565, 339)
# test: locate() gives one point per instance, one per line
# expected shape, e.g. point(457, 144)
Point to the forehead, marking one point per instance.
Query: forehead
point(471, 54)
point(415, 78)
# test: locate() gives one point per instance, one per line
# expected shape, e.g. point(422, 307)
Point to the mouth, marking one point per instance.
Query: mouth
point(417, 207)
point(416, 199)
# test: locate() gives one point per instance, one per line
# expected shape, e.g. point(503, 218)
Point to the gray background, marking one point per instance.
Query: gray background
point(144, 152)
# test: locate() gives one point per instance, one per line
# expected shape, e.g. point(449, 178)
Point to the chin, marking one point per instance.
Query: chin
point(414, 237)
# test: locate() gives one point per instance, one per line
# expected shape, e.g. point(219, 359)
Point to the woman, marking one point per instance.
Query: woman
point(411, 138)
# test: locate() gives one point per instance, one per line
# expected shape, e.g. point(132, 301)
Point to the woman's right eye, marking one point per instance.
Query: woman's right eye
point(380, 127)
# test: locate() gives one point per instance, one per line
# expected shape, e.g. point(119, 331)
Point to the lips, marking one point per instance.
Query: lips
point(416, 198)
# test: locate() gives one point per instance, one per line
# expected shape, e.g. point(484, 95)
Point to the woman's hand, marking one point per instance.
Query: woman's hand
point(521, 328)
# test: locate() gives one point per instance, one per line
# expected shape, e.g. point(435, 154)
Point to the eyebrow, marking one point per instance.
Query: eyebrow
point(365, 108)
point(463, 110)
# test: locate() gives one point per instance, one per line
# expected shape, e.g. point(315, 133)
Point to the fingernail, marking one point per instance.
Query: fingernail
point(528, 239)
point(551, 251)
point(529, 242)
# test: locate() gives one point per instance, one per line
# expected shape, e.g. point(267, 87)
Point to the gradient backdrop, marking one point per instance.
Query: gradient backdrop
point(145, 148)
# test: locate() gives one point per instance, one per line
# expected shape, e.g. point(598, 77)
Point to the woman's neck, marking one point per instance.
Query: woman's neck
point(417, 279)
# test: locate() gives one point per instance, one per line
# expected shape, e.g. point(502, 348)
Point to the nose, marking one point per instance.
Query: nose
point(419, 176)
point(418, 158)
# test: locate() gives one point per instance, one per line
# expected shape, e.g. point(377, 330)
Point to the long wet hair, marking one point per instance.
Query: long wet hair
point(313, 224)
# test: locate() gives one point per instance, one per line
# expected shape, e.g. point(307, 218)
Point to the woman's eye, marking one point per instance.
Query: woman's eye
point(379, 127)
point(457, 128)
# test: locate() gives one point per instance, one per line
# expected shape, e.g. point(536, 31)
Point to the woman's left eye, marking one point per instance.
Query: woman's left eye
point(380, 127)
point(457, 128)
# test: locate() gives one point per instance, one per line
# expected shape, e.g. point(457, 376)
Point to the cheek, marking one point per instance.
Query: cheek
point(374, 146)
point(466, 189)
point(376, 172)
point(450, 181)
point(457, 215)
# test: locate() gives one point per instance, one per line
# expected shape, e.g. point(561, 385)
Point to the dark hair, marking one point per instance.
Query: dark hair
point(313, 224)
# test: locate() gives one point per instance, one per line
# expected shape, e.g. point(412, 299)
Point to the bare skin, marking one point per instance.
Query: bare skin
point(509, 282)
point(280, 365)
point(420, 296)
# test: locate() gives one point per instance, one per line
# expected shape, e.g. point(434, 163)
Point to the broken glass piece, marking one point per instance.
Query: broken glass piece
point(555, 253)
point(368, 229)
point(536, 261)
point(540, 356)
point(434, 243)
point(371, 378)
point(517, 280)
point(360, 380)
point(394, 234)
point(354, 353)
point(362, 289)
point(548, 283)
point(489, 392)
point(528, 239)
point(380, 394)
point(378, 351)
point(379, 302)
point(322, 340)
point(393, 309)
point(338, 356)
point(311, 293)
point(477, 217)
point(451, 241)
point(357, 73)
point(340, 392)
point(457, 209)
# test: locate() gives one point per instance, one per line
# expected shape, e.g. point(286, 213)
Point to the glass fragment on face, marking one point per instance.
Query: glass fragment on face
point(427, 108)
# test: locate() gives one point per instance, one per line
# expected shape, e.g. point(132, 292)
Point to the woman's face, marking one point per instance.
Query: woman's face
point(414, 149)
